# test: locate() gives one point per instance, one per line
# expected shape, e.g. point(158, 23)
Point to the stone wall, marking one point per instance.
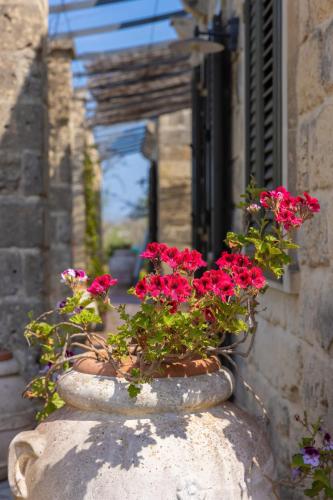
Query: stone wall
point(59, 100)
point(174, 178)
point(23, 168)
point(291, 366)
point(78, 144)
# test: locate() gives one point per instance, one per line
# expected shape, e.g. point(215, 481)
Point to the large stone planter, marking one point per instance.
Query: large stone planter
point(178, 440)
point(16, 413)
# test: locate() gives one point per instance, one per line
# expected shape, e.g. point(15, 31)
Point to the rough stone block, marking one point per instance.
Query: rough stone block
point(60, 198)
point(22, 126)
point(34, 264)
point(321, 10)
point(310, 87)
point(316, 309)
point(22, 25)
point(14, 316)
point(302, 156)
point(10, 272)
point(327, 58)
point(10, 171)
point(32, 173)
point(304, 20)
point(61, 229)
point(21, 76)
point(317, 387)
point(285, 352)
point(320, 148)
point(21, 223)
point(313, 238)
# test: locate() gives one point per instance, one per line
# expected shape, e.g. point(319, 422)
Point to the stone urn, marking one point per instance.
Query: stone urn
point(179, 439)
point(16, 413)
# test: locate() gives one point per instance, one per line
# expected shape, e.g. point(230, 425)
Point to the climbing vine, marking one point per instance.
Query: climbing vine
point(93, 242)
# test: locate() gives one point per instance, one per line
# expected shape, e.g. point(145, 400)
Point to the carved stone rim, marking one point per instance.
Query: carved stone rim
point(109, 394)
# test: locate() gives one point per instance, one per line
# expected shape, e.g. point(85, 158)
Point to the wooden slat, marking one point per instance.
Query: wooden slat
point(121, 80)
point(185, 90)
point(135, 58)
point(106, 119)
point(140, 87)
point(158, 103)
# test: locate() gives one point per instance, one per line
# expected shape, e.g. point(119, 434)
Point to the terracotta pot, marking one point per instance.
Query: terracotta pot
point(174, 368)
point(178, 439)
point(16, 414)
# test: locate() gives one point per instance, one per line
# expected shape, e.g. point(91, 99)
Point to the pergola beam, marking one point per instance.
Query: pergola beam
point(109, 28)
point(116, 118)
point(184, 91)
point(137, 87)
point(84, 4)
point(120, 80)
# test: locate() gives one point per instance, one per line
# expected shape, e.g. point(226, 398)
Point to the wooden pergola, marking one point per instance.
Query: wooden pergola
point(139, 83)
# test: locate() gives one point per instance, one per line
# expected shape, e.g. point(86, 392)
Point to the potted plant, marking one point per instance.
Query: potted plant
point(15, 414)
point(143, 404)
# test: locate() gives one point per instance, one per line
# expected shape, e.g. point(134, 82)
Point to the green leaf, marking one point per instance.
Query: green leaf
point(297, 460)
point(316, 488)
point(85, 317)
point(321, 476)
point(329, 492)
point(133, 390)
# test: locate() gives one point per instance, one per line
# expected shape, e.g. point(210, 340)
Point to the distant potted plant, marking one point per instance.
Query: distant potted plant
point(167, 356)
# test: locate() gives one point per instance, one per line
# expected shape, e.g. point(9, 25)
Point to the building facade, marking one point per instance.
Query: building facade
point(280, 96)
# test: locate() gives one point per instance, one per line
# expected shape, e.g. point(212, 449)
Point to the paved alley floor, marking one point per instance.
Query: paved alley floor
point(5, 493)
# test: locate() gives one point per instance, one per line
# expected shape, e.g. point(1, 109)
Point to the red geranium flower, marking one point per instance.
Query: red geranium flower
point(154, 250)
point(101, 284)
point(191, 260)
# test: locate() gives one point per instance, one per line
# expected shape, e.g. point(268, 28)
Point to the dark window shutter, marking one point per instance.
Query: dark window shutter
point(263, 91)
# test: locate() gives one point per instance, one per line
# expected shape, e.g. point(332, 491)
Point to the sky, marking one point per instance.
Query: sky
point(122, 185)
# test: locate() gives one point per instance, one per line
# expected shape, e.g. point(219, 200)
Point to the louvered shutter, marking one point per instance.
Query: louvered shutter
point(263, 91)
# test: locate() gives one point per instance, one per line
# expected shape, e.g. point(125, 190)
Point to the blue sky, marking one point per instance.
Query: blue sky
point(121, 180)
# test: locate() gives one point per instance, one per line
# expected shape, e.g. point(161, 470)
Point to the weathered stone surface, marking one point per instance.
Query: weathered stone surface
point(310, 89)
point(321, 149)
point(174, 440)
point(59, 97)
point(321, 10)
point(16, 414)
point(304, 20)
point(313, 239)
point(33, 173)
point(174, 178)
point(10, 171)
point(10, 272)
point(24, 125)
point(302, 156)
point(34, 279)
point(21, 223)
point(327, 58)
point(23, 27)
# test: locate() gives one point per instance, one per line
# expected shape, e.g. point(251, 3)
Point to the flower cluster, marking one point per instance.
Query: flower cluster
point(313, 465)
point(102, 284)
point(171, 287)
point(290, 211)
point(185, 260)
point(235, 270)
point(71, 276)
